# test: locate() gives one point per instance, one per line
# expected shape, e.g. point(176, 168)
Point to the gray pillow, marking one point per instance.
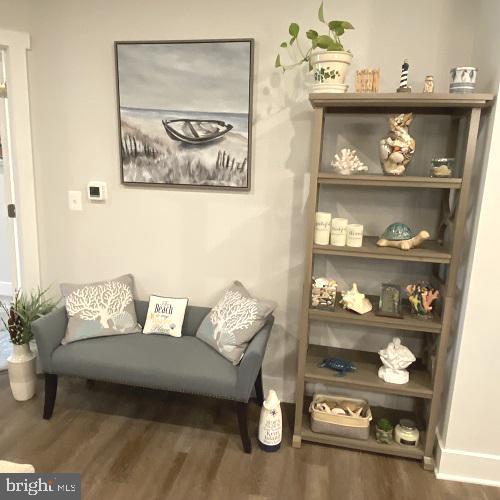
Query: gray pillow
point(234, 321)
point(100, 309)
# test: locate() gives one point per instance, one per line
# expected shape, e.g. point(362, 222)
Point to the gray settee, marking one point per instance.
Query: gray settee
point(183, 364)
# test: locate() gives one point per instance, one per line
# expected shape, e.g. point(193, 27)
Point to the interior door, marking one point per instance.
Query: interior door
point(9, 255)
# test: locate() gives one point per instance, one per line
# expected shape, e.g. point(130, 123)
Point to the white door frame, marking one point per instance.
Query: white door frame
point(20, 155)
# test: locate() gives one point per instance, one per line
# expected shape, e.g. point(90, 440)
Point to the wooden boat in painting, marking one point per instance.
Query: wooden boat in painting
point(196, 131)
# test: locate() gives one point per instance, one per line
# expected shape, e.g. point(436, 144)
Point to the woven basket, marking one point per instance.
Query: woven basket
point(340, 425)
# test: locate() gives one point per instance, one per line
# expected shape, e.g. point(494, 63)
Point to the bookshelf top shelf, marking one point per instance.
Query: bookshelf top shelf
point(376, 180)
point(402, 99)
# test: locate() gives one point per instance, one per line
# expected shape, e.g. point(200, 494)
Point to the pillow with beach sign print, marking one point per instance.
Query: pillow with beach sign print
point(165, 315)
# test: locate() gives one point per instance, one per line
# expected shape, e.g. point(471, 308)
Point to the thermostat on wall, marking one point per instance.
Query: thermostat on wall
point(96, 191)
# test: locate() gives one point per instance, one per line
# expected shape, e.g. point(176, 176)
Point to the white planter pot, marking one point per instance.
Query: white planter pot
point(329, 71)
point(21, 365)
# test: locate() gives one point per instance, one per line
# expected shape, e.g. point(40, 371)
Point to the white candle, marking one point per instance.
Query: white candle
point(339, 232)
point(354, 235)
point(322, 228)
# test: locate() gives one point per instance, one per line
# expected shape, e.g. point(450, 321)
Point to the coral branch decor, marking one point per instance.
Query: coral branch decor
point(421, 297)
point(100, 309)
point(103, 302)
point(348, 163)
point(233, 312)
point(233, 322)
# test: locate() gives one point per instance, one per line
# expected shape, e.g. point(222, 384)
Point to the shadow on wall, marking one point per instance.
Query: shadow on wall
point(281, 362)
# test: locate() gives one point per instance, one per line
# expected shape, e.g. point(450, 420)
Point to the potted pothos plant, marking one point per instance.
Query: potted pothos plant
point(325, 57)
point(17, 318)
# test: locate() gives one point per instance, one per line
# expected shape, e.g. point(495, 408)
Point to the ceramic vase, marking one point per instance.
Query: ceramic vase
point(463, 79)
point(270, 424)
point(329, 70)
point(397, 149)
point(21, 366)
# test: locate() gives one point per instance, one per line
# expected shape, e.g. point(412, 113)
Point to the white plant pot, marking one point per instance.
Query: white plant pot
point(21, 366)
point(329, 71)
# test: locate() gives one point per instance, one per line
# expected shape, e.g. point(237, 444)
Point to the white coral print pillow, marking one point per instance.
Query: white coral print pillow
point(100, 309)
point(165, 315)
point(234, 321)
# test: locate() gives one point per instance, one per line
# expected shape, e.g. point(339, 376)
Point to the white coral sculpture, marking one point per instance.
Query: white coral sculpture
point(233, 312)
point(348, 162)
point(101, 302)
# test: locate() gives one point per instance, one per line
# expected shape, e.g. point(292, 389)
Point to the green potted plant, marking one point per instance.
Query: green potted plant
point(17, 318)
point(325, 57)
point(383, 431)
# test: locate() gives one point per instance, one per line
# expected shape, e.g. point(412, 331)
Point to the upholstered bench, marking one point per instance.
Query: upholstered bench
point(184, 364)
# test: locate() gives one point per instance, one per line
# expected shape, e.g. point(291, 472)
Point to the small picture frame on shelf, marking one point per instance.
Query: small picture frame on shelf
point(390, 301)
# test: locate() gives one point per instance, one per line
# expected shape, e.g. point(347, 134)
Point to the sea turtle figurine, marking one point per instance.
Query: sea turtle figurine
point(341, 366)
point(399, 235)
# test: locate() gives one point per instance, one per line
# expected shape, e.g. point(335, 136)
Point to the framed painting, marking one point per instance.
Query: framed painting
point(185, 112)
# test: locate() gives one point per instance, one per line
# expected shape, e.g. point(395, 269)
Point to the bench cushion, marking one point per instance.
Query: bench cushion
point(183, 364)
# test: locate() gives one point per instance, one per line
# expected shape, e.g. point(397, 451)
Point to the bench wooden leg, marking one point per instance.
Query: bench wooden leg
point(242, 410)
point(259, 390)
point(50, 395)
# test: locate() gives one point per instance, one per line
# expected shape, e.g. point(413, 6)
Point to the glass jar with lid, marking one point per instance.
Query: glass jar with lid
point(442, 167)
point(406, 433)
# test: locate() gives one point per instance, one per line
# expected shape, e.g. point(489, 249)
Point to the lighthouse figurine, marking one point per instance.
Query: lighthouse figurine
point(403, 82)
point(270, 424)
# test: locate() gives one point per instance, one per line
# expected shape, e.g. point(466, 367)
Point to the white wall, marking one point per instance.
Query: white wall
point(255, 237)
point(469, 447)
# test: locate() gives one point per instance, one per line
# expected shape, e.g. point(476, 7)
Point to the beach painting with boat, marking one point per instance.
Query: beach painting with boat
point(185, 112)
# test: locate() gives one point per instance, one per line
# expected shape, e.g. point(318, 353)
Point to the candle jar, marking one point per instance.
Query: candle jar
point(354, 235)
point(322, 228)
point(406, 433)
point(442, 167)
point(339, 232)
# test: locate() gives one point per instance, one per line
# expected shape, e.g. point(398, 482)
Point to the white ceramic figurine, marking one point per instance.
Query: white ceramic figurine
point(395, 358)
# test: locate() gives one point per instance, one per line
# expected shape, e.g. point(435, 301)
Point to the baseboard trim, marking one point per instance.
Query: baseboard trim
point(465, 479)
point(466, 466)
point(5, 288)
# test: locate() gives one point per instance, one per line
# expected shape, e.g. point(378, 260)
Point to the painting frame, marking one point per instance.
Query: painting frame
point(248, 185)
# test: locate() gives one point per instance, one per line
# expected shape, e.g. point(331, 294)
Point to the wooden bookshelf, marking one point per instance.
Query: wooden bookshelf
point(381, 180)
point(423, 386)
point(401, 100)
point(366, 375)
point(408, 322)
point(429, 251)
